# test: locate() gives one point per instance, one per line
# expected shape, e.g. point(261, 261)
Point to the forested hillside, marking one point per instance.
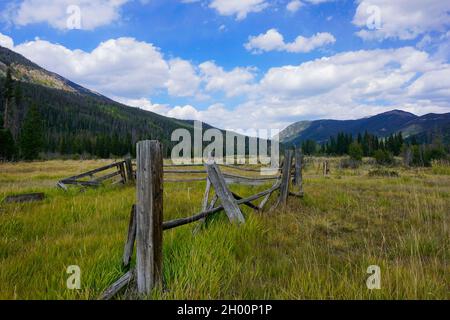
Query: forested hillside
point(73, 119)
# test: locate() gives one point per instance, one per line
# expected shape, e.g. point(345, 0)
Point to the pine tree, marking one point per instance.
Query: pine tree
point(14, 109)
point(355, 151)
point(31, 137)
point(8, 92)
point(7, 145)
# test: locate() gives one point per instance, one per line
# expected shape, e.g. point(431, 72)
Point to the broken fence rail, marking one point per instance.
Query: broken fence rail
point(123, 170)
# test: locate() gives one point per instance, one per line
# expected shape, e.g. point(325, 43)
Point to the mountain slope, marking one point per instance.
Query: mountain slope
point(78, 120)
point(381, 125)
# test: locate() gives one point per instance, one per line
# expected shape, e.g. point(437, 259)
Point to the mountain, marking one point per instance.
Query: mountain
point(382, 125)
point(78, 120)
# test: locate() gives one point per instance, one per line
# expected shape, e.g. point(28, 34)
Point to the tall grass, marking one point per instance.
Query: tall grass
point(318, 247)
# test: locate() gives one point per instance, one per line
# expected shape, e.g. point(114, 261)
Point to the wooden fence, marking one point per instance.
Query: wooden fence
point(146, 225)
point(122, 170)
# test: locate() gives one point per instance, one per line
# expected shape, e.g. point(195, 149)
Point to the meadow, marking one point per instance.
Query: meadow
point(318, 247)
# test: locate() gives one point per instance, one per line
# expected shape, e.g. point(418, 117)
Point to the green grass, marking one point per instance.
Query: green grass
point(318, 247)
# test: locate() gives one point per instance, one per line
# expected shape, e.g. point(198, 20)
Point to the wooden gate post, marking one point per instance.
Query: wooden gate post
point(298, 177)
point(149, 214)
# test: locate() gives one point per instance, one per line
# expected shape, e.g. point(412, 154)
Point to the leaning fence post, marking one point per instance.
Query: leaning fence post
point(284, 188)
point(229, 203)
point(149, 214)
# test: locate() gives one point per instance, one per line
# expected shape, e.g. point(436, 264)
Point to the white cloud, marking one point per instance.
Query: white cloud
point(272, 40)
point(183, 79)
point(238, 8)
point(435, 84)
point(144, 104)
point(132, 69)
point(402, 19)
point(319, 1)
point(294, 6)
point(6, 41)
point(118, 67)
point(361, 74)
point(186, 112)
point(344, 86)
point(235, 82)
point(93, 13)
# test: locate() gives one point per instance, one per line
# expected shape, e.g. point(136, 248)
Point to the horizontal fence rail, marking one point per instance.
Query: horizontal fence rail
point(126, 171)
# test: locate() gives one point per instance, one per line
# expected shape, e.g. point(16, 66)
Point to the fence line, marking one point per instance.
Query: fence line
point(125, 170)
point(146, 226)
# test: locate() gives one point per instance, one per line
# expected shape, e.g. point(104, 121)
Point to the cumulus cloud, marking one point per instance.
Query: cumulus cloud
point(117, 67)
point(402, 19)
point(6, 41)
point(272, 40)
point(346, 85)
point(144, 104)
point(57, 13)
point(294, 6)
point(233, 83)
point(121, 67)
point(319, 1)
point(433, 84)
point(183, 79)
point(238, 8)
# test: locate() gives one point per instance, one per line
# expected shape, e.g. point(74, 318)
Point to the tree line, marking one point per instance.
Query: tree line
point(21, 135)
point(382, 149)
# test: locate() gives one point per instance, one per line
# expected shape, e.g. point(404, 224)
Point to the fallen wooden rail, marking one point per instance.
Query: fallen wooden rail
point(21, 198)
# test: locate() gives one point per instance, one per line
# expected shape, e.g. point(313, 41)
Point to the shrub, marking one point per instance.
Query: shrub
point(424, 155)
point(355, 151)
point(383, 157)
point(348, 163)
point(383, 173)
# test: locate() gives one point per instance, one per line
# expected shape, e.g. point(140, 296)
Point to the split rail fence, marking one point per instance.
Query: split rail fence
point(146, 225)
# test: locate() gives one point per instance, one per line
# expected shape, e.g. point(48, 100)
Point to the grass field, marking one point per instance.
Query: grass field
point(318, 247)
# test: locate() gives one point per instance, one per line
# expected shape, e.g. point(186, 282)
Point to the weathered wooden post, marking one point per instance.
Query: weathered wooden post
point(129, 167)
point(229, 203)
point(298, 177)
point(285, 179)
point(326, 169)
point(149, 214)
point(123, 174)
point(131, 237)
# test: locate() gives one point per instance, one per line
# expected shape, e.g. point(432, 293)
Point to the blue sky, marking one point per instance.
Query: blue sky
point(244, 64)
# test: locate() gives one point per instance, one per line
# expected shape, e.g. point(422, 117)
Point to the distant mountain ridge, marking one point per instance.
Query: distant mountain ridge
point(27, 71)
point(382, 125)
